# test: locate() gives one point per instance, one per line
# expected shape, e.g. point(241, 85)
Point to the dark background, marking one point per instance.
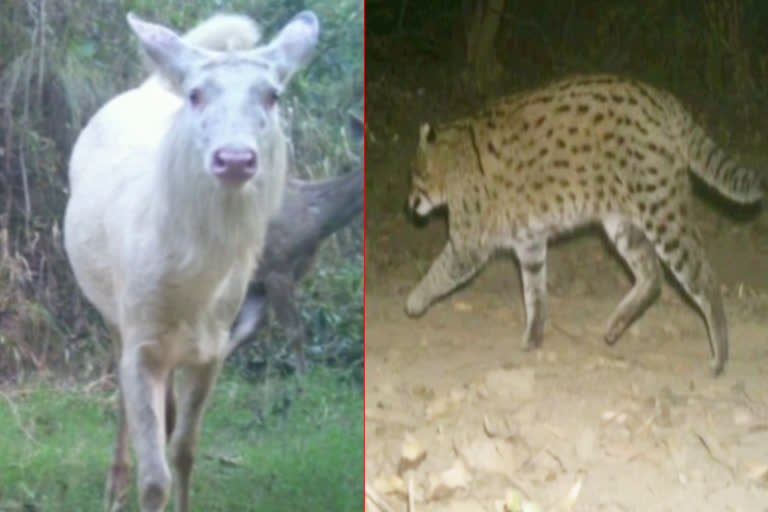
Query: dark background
point(713, 55)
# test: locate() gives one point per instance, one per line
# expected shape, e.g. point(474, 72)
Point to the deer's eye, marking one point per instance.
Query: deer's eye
point(196, 97)
point(271, 98)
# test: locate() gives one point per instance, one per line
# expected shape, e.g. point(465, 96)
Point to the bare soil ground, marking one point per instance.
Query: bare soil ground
point(458, 418)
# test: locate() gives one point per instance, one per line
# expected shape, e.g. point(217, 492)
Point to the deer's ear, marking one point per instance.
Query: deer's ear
point(172, 57)
point(356, 128)
point(292, 48)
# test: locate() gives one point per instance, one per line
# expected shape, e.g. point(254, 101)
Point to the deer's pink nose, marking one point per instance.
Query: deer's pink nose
point(234, 157)
point(234, 165)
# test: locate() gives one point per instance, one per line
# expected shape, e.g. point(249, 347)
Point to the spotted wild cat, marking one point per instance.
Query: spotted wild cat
point(584, 149)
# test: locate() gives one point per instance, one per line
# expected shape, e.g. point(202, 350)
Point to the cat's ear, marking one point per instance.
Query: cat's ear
point(427, 134)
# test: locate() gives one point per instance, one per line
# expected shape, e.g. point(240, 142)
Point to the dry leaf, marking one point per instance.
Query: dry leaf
point(757, 472)
point(530, 506)
point(513, 501)
point(411, 450)
point(437, 407)
point(450, 480)
point(390, 484)
point(501, 428)
point(573, 495)
point(411, 454)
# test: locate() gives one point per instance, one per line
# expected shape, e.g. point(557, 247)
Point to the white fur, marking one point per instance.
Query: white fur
point(142, 219)
point(225, 32)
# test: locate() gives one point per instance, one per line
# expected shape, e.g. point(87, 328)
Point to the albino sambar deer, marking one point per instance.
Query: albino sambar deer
point(172, 186)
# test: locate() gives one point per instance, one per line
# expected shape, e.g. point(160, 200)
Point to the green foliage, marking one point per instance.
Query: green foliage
point(332, 310)
point(330, 301)
point(59, 61)
point(278, 445)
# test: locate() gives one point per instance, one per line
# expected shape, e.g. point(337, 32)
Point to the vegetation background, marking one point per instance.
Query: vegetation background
point(273, 441)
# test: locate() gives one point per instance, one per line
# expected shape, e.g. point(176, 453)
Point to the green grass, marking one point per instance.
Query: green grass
point(264, 446)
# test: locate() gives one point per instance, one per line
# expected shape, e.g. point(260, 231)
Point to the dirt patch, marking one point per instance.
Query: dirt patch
point(640, 426)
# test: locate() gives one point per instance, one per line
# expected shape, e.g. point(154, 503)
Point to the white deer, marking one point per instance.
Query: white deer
point(171, 193)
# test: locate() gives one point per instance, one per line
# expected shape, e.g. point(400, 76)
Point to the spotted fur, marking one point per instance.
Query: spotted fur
point(585, 149)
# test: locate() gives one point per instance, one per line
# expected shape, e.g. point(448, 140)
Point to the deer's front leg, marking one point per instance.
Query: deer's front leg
point(194, 387)
point(119, 477)
point(143, 380)
point(455, 265)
